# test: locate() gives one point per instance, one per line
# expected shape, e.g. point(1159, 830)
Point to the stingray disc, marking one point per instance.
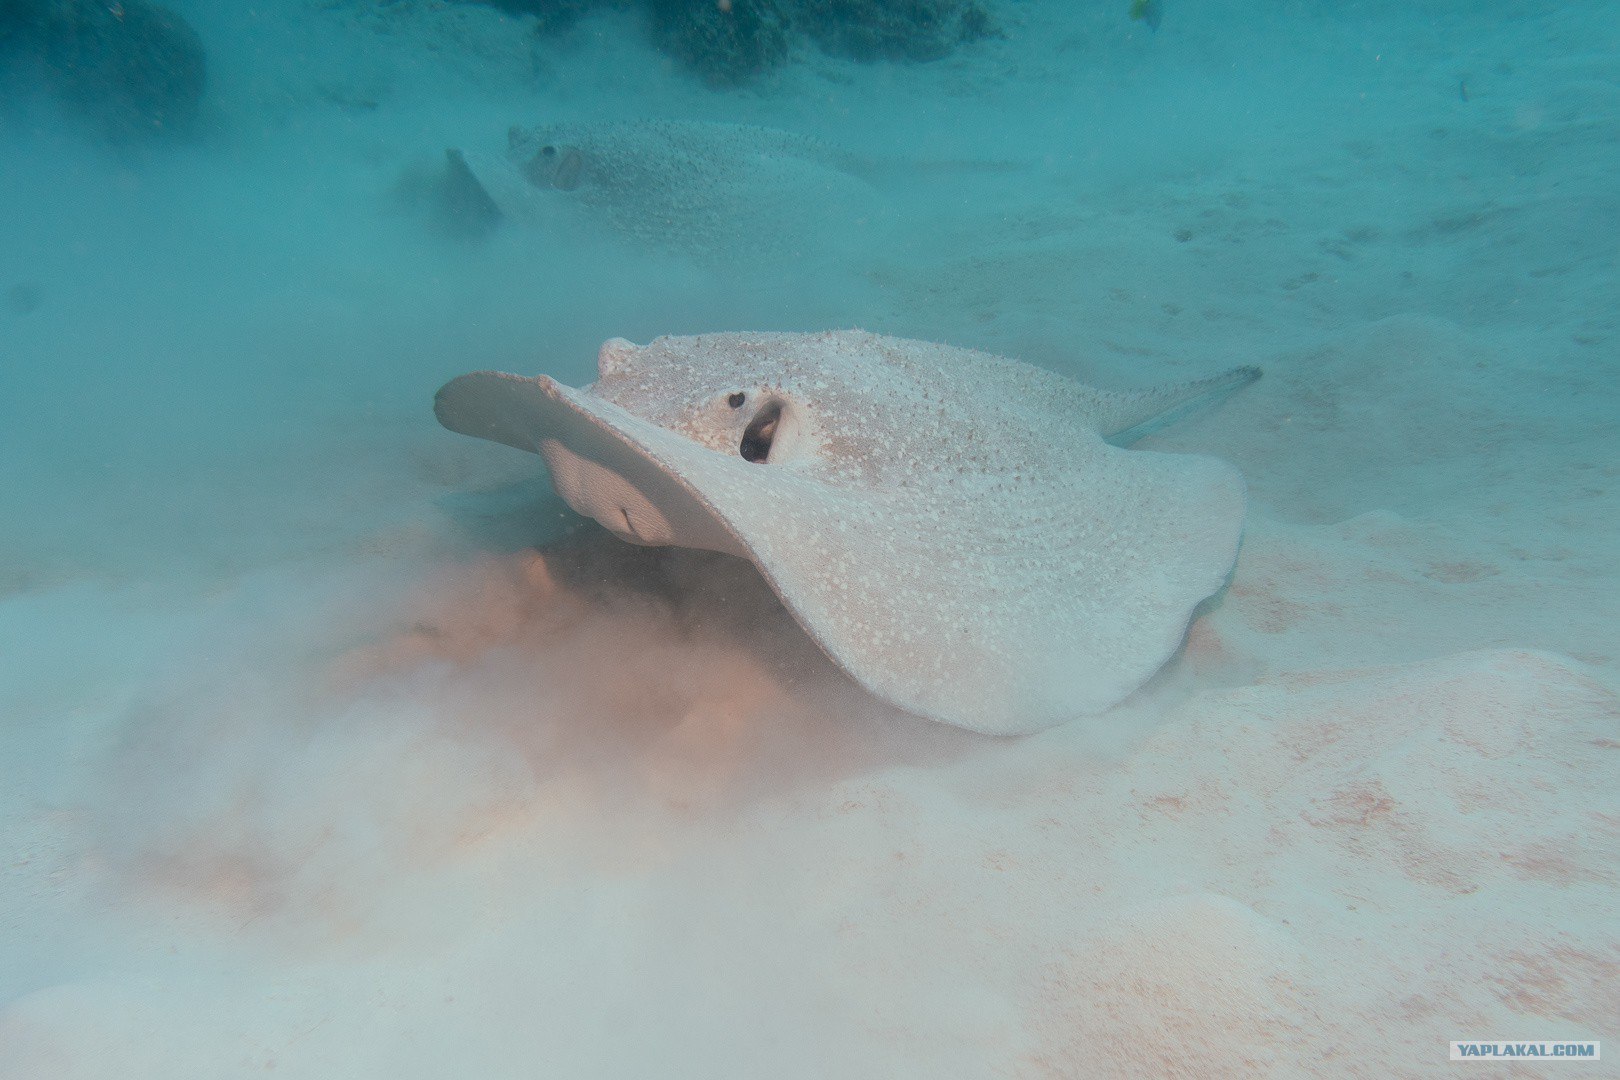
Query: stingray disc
point(705, 189)
point(950, 527)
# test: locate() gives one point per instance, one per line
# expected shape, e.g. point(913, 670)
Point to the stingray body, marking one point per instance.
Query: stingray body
point(682, 184)
point(952, 528)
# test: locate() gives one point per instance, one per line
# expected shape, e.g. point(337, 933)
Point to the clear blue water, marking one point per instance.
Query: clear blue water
point(313, 766)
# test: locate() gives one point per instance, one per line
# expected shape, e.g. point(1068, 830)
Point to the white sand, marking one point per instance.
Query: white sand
point(314, 769)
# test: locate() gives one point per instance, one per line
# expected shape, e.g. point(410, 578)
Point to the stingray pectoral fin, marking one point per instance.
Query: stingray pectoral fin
point(1010, 610)
point(491, 405)
point(595, 470)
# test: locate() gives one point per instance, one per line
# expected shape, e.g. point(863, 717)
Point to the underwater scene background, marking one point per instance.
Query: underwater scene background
point(335, 745)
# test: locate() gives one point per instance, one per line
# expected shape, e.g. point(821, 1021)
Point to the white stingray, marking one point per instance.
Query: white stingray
point(708, 189)
point(950, 527)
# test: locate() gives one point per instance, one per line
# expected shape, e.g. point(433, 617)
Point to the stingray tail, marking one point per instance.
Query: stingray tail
point(1125, 417)
point(462, 205)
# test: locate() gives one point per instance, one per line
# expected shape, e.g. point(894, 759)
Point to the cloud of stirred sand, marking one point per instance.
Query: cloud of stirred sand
point(594, 702)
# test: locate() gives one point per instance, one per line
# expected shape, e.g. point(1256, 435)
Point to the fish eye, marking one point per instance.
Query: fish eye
point(736, 400)
point(548, 151)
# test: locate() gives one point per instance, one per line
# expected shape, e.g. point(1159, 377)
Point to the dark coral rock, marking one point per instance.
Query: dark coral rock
point(975, 24)
point(728, 42)
point(893, 29)
point(134, 67)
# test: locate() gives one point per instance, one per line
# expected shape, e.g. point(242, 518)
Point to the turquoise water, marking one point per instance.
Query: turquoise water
point(336, 745)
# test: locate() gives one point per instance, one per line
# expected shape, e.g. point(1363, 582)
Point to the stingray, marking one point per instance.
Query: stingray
point(699, 188)
point(953, 529)
point(696, 186)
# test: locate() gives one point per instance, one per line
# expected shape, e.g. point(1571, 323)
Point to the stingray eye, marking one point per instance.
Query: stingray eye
point(761, 433)
point(548, 151)
point(736, 400)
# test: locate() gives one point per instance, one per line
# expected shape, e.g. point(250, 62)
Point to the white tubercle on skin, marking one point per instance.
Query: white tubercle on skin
point(613, 355)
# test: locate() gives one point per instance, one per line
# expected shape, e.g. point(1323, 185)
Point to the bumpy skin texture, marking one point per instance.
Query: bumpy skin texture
point(950, 527)
point(692, 185)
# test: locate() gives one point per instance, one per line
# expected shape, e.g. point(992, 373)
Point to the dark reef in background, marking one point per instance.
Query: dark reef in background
point(133, 68)
point(732, 41)
point(893, 29)
point(725, 45)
